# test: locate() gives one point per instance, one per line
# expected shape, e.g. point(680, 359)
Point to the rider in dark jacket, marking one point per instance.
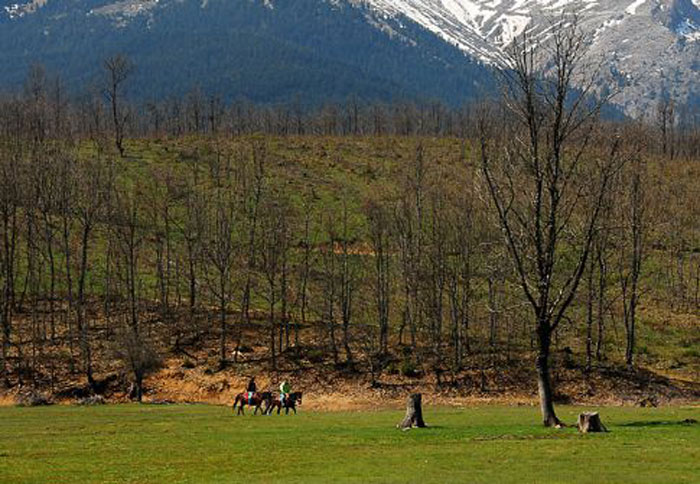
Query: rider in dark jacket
point(252, 388)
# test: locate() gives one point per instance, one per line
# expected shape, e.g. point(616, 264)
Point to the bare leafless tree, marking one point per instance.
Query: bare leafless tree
point(632, 253)
point(117, 68)
point(379, 222)
point(95, 182)
point(666, 122)
point(219, 243)
point(546, 188)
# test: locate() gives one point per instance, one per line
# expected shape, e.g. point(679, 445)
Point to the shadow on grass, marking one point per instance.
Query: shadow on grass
point(428, 427)
point(657, 423)
point(558, 435)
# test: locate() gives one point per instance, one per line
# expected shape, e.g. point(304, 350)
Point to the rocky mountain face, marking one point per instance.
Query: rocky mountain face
point(651, 48)
point(271, 50)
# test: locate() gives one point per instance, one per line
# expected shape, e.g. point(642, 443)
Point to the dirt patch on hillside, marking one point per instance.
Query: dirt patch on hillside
point(326, 390)
point(194, 375)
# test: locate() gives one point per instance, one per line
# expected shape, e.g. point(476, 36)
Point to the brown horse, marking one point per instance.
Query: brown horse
point(293, 399)
point(256, 401)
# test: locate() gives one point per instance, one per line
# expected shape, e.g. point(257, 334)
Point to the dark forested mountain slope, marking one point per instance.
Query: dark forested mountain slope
point(238, 48)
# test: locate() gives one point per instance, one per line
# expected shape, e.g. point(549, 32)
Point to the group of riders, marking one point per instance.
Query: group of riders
point(251, 397)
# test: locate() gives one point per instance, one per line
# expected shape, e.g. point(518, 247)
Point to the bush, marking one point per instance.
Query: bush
point(392, 368)
point(93, 400)
point(315, 356)
point(31, 399)
point(568, 358)
point(294, 354)
point(138, 357)
point(409, 369)
point(244, 348)
point(691, 353)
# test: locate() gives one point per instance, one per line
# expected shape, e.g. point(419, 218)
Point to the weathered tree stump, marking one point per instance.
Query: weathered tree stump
point(590, 422)
point(414, 413)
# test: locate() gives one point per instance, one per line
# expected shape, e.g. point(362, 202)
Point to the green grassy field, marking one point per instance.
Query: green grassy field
point(199, 443)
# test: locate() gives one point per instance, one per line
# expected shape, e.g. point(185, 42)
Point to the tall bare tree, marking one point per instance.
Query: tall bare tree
point(118, 68)
point(9, 228)
point(219, 244)
point(666, 122)
point(380, 236)
point(546, 187)
point(95, 181)
point(632, 252)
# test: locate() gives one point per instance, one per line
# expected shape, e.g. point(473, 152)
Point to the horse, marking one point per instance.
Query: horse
point(256, 401)
point(293, 399)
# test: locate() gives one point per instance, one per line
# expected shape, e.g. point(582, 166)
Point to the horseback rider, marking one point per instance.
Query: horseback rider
point(285, 389)
point(251, 389)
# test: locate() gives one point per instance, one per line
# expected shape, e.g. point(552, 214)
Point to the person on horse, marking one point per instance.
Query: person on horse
point(251, 388)
point(285, 390)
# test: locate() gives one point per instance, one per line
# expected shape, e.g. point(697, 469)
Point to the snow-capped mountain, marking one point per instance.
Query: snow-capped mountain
point(410, 47)
point(650, 46)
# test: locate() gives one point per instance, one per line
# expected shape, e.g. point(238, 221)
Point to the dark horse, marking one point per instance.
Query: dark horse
point(293, 399)
point(256, 401)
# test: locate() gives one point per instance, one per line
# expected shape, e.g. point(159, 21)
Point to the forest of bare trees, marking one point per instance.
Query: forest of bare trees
point(545, 231)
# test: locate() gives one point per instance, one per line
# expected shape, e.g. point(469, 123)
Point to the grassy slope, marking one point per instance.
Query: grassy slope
point(133, 443)
point(325, 171)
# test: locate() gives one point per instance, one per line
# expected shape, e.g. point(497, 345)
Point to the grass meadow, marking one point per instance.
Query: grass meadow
point(206, 443)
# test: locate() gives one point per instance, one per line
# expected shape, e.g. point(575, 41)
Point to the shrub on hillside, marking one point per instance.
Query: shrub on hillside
point(139, 358)
point(409, 369)
point(31, 398)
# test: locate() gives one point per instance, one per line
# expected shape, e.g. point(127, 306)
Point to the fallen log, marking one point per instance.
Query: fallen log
point(414, 413)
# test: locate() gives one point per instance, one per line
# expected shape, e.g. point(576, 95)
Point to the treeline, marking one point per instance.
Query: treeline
point(674, 129)
point(109, 252)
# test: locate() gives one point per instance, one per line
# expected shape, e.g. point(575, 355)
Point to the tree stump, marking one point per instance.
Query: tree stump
point(414, 413)
point(590, 422)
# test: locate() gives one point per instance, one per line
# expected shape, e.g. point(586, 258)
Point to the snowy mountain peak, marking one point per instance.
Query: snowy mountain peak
point(471, 23)
point(652, 45)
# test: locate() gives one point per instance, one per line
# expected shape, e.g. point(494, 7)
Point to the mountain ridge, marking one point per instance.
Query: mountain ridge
point(379, 49)
point(257, 50)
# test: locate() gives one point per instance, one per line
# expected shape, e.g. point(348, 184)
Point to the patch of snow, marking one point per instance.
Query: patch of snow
point(632, 9)
point(688, 30)
point(17, 10)
point(125, 8)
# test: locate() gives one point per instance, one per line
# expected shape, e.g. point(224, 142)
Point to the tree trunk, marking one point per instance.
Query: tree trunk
point(6, 331)
point(136, 389)
point(602, 274)
point(414, 413)
point(83, 330)
point(273, 352)
point(589, 320)
point(222, 330)
point(544, 383)
point(590, 422)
